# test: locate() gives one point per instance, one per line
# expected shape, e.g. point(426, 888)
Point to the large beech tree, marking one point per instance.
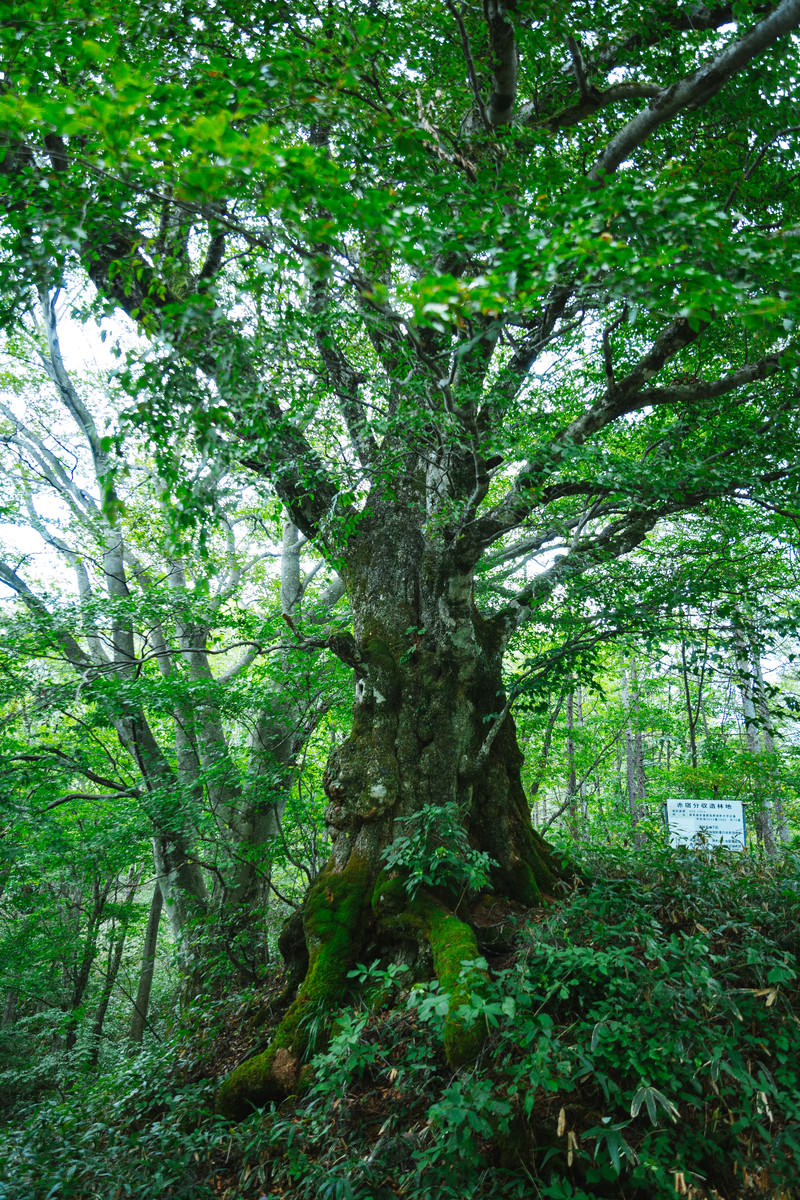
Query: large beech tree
point(486, 291)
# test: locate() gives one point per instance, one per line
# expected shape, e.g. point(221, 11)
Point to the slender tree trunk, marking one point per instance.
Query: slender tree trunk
point(781, 824)
point(692, 710)
point(9, 1009)
point(141, 1004)
point(80, 971)
point(275, 744)
point(746, 679)
point(539, 813)
point(179, 875)
point(119, 933)
point(582, 784)
point(183, 889)
point(572, 778)
point(634, 752)
point(109, 979)
point(638, 743)
point(576, 790)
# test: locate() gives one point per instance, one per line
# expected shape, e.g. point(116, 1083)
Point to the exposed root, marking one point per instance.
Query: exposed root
point(452, 944)
point(333, 920)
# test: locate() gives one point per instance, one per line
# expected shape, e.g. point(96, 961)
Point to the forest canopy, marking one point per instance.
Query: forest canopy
point(455, 355)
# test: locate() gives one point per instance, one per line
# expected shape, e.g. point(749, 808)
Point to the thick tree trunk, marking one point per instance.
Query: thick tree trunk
point(429, 726)
point(430, 729)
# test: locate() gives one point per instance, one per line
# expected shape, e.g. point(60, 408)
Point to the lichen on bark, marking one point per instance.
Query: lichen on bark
point(428, 691)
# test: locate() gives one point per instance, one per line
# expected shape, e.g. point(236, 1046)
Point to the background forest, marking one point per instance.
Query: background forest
point(399, 411)
point(117, 612)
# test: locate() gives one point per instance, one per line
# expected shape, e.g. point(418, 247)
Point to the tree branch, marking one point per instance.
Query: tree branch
point(54, 366)
point(72, 651)
point(45, 753)
point(588, 105)
point(89, 796)
point(503, 48)
point(618, 400)
point(118, 269)
point(344, 380)
point(698, 18)
point(473, 78)
point(698, 87)
point(579, 67)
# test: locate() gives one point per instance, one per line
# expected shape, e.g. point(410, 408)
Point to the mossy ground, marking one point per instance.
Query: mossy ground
point(621, 998)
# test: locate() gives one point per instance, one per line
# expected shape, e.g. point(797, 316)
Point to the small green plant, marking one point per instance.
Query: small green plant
point(610, 1143)
point(348, 1055)
point(435, 852)
point(653, 1099)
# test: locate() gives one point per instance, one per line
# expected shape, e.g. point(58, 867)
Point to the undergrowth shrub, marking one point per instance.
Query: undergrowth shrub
point(643, 1043)
point(129, 1133)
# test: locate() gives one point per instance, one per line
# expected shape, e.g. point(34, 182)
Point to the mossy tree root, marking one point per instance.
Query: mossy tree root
point(333, 920)
point(452, 944)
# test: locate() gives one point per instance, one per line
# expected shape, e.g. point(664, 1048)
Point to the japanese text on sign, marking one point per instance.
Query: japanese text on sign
point(712, 822)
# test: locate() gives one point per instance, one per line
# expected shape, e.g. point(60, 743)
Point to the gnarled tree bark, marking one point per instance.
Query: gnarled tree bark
point(430, 728)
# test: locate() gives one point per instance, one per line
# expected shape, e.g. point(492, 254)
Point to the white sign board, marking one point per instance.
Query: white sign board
point(711, 822)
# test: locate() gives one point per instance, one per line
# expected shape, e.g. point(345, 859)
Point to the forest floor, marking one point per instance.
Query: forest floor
point(643, 1042)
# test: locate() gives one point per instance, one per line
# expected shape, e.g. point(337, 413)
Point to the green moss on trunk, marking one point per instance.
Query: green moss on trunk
point(333, 918)
point(534, 878)
point(452, 943)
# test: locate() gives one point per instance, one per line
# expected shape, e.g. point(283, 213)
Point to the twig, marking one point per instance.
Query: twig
point(578, 66)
